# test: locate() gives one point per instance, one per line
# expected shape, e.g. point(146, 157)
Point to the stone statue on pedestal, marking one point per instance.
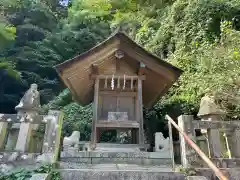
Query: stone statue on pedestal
point(73, 140)
point(161, 143)
point(31, 99)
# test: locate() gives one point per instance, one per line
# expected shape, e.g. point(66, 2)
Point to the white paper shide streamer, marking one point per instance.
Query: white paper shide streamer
point(124, 81)
point(112, 82)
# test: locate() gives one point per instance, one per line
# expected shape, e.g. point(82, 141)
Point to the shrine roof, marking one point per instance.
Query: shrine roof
point(75, 72)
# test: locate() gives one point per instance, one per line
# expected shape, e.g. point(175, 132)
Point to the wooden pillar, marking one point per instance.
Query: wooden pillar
point(134, 136)
point(95, 114)
point(140, 115)
point(185, 123)
point(98, 133)
point(135, 132)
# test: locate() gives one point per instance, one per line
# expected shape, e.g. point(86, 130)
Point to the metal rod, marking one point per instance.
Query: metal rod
point(218, 173)
point(227, 145)
point(171, 144)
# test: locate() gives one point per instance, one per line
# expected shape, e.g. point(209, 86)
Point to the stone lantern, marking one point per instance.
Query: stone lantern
point(210, 111)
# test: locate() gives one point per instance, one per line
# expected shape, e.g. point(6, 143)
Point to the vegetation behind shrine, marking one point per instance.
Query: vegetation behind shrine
point(200, 37)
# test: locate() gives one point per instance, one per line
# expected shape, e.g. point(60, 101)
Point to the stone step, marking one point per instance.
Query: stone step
point(117, 153)
point(196, 178)
point(140, 158)
point(118, 172)
point(230, 173)
point(113, 166)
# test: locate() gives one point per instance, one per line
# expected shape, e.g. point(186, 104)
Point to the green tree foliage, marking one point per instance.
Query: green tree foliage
point(7, 68)
point(20, 173)
point(33, 21)
point(7, 33)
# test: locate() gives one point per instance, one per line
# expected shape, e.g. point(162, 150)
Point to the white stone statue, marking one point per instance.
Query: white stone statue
point(161, 144)
point(45, 158)
point(13, 157)
point(31, 99)
point(72, 140)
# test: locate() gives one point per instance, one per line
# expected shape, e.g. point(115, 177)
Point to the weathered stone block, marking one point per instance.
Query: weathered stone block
point(119, 175)
point(40, 177)
point(196, 178)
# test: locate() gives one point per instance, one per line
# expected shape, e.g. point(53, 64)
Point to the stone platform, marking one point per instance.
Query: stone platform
point(75, 171)
point(116, 162)
point(113, 153)
point(230, 173)
point(97, 157)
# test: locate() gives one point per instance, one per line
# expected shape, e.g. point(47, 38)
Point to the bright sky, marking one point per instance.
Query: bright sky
point(64, 2)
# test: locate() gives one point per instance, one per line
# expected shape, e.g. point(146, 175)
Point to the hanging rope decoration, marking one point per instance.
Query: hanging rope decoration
point(124, 81)
point(131, 82)
point(118, 85)
point(105, 85)
point(112, 82)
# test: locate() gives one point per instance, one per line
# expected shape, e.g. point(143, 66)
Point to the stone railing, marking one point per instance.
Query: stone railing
point(19, 140)
point(188, 144)
point(220, 141)
point(28, 138)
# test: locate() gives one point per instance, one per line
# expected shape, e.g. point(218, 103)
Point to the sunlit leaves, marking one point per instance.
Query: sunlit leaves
point(7, 34)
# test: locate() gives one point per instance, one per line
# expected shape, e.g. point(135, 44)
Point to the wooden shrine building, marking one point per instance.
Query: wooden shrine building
point(120, 77)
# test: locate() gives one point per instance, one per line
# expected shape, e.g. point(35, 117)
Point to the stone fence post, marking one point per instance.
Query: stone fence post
point(3, 133)
point(236, 143)
point(185, 123)
point(52, 135)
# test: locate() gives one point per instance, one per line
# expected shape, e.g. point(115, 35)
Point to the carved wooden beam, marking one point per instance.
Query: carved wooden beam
point(94, 69)
point(142, 77)
point(119, 54)
point(117, 62)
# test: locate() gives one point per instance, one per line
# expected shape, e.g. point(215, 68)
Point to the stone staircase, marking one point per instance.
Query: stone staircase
point(75, 171)
point(230, 173)
point(110, 162)
point(126, 162)
point(113, 171)
point(117, 164)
